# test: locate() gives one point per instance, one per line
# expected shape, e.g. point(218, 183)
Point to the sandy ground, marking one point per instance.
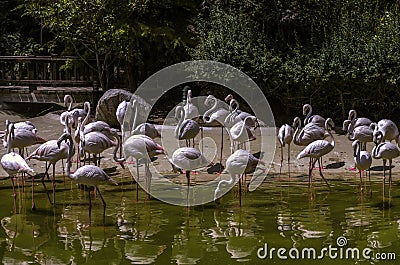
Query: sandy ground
point(336, 163)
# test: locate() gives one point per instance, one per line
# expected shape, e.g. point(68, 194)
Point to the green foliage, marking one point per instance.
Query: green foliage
point(333, 54)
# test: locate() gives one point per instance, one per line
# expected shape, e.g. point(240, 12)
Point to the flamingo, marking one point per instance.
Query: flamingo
point(22, 138)
point(139, 147)
point(362, 133)
point(215, 114)
point(285, 137)
point(121, 110)
point(186, 129)
point(308, 134)
point(362, 160)
point(236, 113)
point(385, 151)
point(317, 149)
point(13, 164)
point(23, 125)
point(242, 133)
point(191, 111)
point(143, 128)
point(358, 121)
point(316, 119)
point(188, 158)
point(388, 128)
point(89, 175)
point(74, 114)
point(238, 163)
point(51, 152)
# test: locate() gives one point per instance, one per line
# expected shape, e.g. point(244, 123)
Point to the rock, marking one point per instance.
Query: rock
point(108, 103)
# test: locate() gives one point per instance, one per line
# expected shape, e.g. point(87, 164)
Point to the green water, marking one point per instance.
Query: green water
point(146, 232)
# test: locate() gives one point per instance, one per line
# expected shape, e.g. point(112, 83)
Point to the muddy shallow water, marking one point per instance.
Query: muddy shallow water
point(282, 213)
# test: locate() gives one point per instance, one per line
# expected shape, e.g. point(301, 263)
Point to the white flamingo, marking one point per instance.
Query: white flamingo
point(236, 114)
point(188, 158)
point(121, 110)
point(285, 137)
point(241, 132)
point(51, 152)
point(308, 134)
point(362, 160)
point(316, 119)
point(144, 128)
point(361, 133)
point(140, 147)
point(239, 163)
point(388, 128)
point(88, 175)
point(385, 151)
point(358, 121)
point(317, 149)
point(186, 129)
point(191, 111)
point(73, 114)
point(13, 164)
point(22, 138)
point(215, 114)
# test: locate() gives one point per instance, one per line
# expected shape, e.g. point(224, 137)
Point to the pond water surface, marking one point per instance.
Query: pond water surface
point(279, 214)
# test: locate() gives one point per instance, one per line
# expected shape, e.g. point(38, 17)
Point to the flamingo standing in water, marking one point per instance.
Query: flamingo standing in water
point(362, 160)
point(316, 119)
point(140, 147)
point(188, 158)
point(13, 164)
point(317, 149)
point(385, 151)
point(241, 162)
point(52, 152)
point(285, 137)
point(88, 175)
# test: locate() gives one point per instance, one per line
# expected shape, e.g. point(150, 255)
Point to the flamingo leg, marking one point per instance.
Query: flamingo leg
point(240, 192)
point(361, 181)
point(288, 160)
point(390, 174)
point(90, 208)
point(320, 172)
point(14, 193)
point(33, 207)
point(54, 184)
point(310, 169)
point(104, 203)
point(222, 148)
point(384, 179)
point(280, 168)
point(137, 179)
point(44, 185)
point(188, 187)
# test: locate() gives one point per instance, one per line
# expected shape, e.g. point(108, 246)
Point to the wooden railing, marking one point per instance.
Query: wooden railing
point(50, 71)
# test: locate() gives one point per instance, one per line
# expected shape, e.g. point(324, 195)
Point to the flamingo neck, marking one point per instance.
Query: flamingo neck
point(181, 115)
point(135, 109)
point(306, 119)
point(211, 110)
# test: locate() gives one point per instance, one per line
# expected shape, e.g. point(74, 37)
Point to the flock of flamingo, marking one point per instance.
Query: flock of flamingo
point(359, 130)
point(85, 138)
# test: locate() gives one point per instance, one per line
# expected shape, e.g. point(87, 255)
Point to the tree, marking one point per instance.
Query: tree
point(113, 30)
